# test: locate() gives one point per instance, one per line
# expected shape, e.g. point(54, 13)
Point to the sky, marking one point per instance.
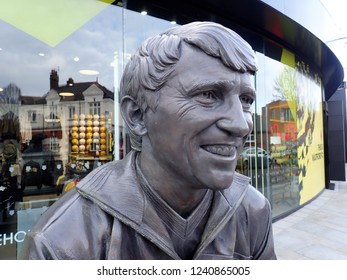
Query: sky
point(337, 11)
point(309, 13)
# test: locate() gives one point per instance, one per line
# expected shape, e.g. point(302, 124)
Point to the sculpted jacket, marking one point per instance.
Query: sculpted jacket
point(107, 216)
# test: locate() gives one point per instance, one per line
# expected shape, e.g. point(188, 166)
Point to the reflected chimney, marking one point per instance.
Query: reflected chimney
point(70, 82)
point(54, 80)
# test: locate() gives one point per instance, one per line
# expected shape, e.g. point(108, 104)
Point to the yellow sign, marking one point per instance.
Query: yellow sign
point(310, 139)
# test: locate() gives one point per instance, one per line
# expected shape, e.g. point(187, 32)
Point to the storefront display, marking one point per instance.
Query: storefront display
point(89, 137)
point(90, 147)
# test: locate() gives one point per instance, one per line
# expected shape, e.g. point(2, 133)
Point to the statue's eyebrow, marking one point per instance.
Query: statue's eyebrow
point(248, 90)
point(209, 85)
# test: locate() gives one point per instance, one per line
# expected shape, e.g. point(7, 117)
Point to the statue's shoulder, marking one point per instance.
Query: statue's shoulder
point(256, 202)
point(249, 197)
point(110, 173)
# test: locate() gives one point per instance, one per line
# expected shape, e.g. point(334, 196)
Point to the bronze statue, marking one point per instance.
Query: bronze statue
point(186, 99)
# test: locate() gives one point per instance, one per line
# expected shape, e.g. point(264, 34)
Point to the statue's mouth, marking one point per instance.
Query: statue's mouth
point(222, 150)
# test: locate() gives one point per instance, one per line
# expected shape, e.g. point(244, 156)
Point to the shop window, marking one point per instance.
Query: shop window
point(72, 111)
point(287, 115)
point(273, 114)
point(94, 108)
point(32, 116)
point(54, 144)
point(288, 131)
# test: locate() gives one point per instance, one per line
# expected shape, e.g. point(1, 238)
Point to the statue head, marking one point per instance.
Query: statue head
point(150, 66)
point(186, 99)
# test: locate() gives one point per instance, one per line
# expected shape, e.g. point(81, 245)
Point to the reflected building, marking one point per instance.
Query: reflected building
point(72, 122)
point(283, 149)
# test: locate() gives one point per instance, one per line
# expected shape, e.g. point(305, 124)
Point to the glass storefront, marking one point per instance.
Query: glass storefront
point(60, 118)
point(284, 156)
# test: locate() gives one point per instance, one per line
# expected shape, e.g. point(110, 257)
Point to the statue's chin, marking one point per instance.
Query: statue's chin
point(220, 183)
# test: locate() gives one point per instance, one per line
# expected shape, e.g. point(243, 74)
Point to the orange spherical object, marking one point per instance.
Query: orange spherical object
point(74, 141)
point(74, 129)
point(103, 135)
point(102, 129)
point(89, 129)
point(74, 148)
point(103, 147)
point(103, 153)
point(103, 141)
point(74, 135)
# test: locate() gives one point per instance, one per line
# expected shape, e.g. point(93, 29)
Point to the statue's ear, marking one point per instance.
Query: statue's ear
point(133, 116)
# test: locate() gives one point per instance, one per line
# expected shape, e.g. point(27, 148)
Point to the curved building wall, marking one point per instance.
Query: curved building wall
point(60, 109)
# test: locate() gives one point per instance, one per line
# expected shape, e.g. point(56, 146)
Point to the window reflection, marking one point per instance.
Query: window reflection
point(39, 162)
point(284, 153)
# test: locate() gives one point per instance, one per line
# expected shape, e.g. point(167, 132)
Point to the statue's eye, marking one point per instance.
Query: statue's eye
point(208, 97)
point(208, 94)
point(247, 100)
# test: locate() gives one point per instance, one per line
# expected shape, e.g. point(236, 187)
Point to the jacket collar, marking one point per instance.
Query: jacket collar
point(115, 188)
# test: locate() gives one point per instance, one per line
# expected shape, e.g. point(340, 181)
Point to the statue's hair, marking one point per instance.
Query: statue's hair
point(150, 66)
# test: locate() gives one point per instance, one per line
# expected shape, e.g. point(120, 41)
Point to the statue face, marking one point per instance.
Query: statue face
point(202, 120)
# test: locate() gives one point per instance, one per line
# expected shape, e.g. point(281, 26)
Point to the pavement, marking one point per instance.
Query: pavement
point(317, 231)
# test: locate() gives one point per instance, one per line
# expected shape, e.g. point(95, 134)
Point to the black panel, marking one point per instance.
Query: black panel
point(336, 140)
point(340, 95)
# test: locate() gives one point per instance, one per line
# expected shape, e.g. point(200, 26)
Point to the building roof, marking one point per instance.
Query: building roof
point(32, 100)
point(76, 88)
